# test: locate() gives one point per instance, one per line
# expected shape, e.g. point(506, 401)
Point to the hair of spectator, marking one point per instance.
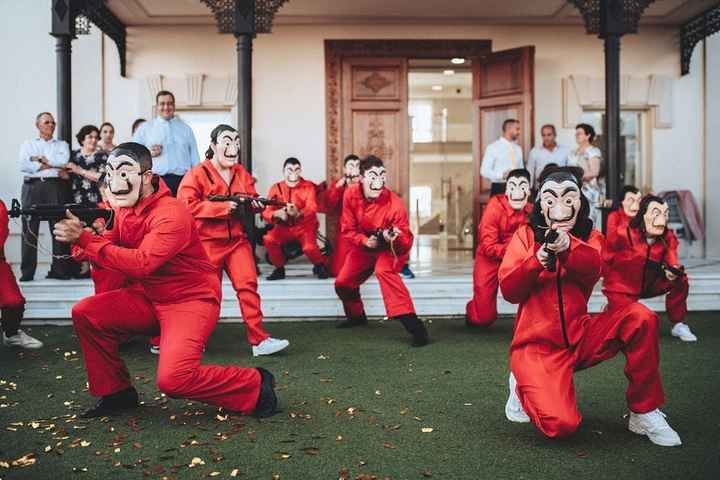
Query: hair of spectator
point(39, 116)
point(85, 131)
point(107, 124)
point(508, 122)
point(588, 129)
point(136, 124)
point(164, 93)
point(550, 126)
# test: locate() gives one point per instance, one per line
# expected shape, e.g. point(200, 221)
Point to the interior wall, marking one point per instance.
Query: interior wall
point(712, 155)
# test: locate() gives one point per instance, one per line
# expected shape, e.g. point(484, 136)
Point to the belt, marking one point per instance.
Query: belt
point(30, 180)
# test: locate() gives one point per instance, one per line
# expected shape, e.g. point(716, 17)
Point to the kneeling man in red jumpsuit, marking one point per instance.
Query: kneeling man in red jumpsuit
point(173, 291)
point(375, 223)
point(502, 217)
point(550, 269)
point(642, 262)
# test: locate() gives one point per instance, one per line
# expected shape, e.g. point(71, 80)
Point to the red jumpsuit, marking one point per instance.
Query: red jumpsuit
point(302, 229)
point(332, 202)
point(360, 219)
point(617, 220)
point(554, 336)
point(499, 223)
point(628, 277)
point(174, 290)
point(223, 236)
point(10, 296)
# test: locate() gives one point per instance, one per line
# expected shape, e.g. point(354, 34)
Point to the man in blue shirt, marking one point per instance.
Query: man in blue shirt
point(170, 140)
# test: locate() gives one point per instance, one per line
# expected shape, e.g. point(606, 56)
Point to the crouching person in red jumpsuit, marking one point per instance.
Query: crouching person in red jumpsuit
point(502, 217)
point(619, 219)
point(375, 223)
point(174, 291)
point(550, 269)
point(296, 222)
point(12, 302)
point(642, 262)
point(220, 226)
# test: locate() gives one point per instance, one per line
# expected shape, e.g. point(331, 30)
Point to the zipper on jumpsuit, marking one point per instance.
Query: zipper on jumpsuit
point(645, 266)
point(229, 220)
point(561, 307)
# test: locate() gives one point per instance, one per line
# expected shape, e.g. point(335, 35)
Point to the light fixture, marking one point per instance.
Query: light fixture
point(448, 72)
point(437, 88)
point(457, 61)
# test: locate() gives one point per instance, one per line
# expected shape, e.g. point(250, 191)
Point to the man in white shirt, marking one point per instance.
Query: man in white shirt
point(170, 140)
point(42, 163)
point(543, 155)
point(502, 156)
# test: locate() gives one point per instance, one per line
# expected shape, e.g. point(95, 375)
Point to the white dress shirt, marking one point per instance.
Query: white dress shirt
point(56, 151)
point(501, 156)
point(540, 157)
point(179, 148)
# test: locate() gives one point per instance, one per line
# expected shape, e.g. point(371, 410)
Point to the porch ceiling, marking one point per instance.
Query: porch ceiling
point(295, 12)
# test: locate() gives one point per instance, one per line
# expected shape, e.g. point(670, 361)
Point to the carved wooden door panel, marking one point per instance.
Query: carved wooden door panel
point(374, 117)
point(503, 87)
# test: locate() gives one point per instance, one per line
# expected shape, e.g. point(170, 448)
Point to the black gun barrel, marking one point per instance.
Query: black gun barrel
point(239, 198)
point(551, 237)
point(46, 212)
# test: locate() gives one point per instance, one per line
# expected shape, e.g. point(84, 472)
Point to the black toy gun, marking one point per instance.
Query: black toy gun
point(378, 234)
point(240, 198)
point(662, 267)
point(56, 212)
point(551, 237)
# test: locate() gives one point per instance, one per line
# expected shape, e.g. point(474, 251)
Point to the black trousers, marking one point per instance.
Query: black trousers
point(173, 182)
point(53, 191)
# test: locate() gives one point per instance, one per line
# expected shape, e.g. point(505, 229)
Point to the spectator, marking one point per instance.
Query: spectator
point(547, 153)
point(502, 156)
point(42, 163)
point(86, 165)
point(107, 134)
point(170, 140)
point(136, 124)
point(589, 158)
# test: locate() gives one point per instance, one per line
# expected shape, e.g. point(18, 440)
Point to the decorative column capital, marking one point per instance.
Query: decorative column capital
point(244, 17)
point(614, 17)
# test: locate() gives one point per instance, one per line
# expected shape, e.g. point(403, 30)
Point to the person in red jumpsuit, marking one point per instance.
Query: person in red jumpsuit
point(619, 219)
point(220, 226)
point(331, 201)
point(174, 290)
point(502, 217)
point(12, 302)
point(296, 222)
point(639, 264)
point(375, 223)
point(550, 269)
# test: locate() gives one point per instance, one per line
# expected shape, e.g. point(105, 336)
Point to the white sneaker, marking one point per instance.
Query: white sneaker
point(682, 331)
point(155, 349)
point(22, 340)
point(269, 346)
point(654, 425)
point(513, 408)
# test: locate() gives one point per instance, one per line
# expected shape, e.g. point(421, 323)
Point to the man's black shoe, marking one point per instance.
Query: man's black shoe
point(352, 322)
point(277, 274)
point(267, 404)
point(114, 404)
point(321, 272)
point(57, 276)
point(416, 328)
point(27, 278)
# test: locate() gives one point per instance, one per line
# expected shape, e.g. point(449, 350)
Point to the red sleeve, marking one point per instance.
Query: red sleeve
point(671, 257)
point(169, 232)
point(520, 268)
point(583, 260)
point(192, 193)
point(403, 243)
point(4, 224)
point(273, 194)
point(311, 205)
point(348, 222)
point(334, 197)
point(489, 231)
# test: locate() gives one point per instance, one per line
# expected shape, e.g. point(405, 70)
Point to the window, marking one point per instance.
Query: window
point(421, 114)
point(420, 201)
point(202, 123)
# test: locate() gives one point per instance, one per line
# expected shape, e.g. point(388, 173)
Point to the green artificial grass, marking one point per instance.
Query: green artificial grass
point(357, 404)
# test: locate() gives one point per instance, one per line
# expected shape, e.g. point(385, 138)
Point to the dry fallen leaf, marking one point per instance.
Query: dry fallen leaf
point(84, 443)
point(235, 472)
point(213, 474)
point(282, 455)
point(25, 461)
point(195, 462)
point(311, 450)
point(426, 429)
point(427, 473)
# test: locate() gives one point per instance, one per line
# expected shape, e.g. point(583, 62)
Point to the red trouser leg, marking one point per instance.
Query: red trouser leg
point(273, 241)
point(306, 234)
point(676, 300)
point(482, 309)
point(185, 329)
point(634, 331)
point(342, 248)
point(104, 321)
point(358, 267)
point(10, 295)
point(545, 387)
point(240, 267)
point(396, 296)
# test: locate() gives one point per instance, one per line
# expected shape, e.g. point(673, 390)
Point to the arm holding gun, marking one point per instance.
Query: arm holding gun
point(256, 204)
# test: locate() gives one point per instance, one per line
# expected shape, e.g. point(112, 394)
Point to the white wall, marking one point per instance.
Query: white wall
point(712, 158)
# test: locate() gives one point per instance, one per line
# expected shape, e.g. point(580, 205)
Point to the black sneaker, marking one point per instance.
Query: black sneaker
point(321, 272)
point(27, 278)
point(58, 276)
point(114, 404)
point(277, 274)
point(267, 404)
point(416, 328)
point(352, 322)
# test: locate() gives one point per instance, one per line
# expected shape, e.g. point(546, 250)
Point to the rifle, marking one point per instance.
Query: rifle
point(55, 212)
point(241, 198)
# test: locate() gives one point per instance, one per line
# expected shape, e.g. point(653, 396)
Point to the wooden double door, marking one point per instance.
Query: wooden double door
point(367, 102)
